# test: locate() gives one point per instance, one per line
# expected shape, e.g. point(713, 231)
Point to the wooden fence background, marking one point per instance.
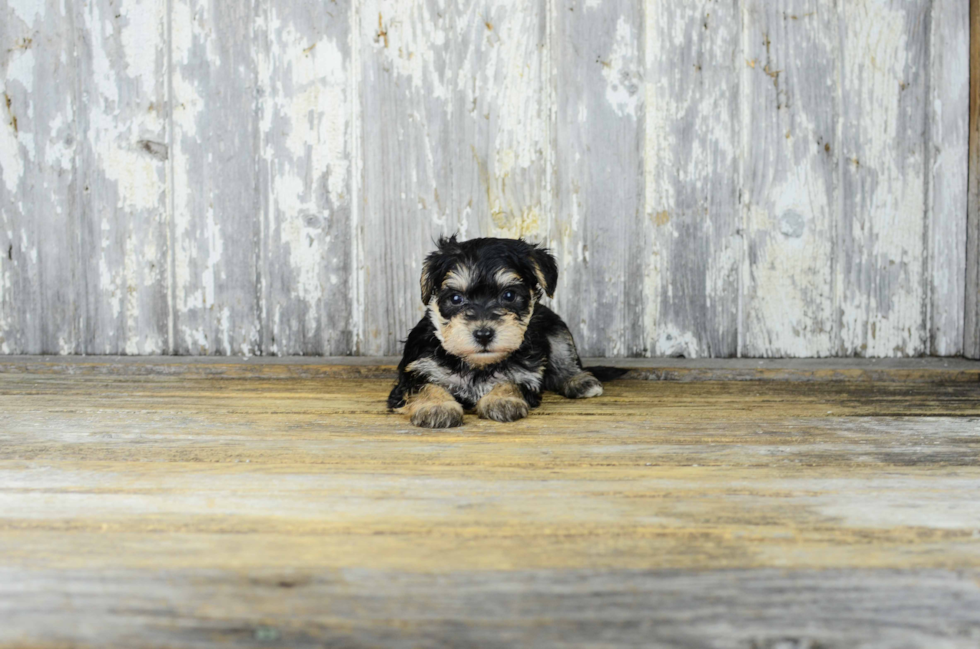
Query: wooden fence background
point(716, 177)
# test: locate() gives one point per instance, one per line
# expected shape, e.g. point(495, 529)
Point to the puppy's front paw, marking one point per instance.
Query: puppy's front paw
point(433, 407)
point(438, 415)
point(502, 409)
point(504, 403)
point(582, 386)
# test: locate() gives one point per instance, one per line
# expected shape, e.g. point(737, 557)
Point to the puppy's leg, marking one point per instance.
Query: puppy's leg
point(581, 386)
point(503, 403)
point(433, 407)
point(565, 374)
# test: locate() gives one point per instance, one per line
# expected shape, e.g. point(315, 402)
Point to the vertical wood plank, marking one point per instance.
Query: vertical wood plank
point(501, 118)
point(406, 193)
point(215, 178)
point(691, 175)
point(790, 81)
point(598, 50)
point(948, 106)
point(306, 177)
point(883, 238)
point(124, 151)
point(971, 333)
point(39, 312)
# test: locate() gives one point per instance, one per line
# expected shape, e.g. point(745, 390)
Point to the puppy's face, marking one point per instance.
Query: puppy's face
point(481, 294)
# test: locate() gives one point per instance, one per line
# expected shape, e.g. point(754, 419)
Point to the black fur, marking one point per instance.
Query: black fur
point(605, 373)
point(546, 358)
point(487, 256)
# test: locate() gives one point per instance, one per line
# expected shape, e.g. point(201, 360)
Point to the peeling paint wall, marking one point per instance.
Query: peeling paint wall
point(716, 177)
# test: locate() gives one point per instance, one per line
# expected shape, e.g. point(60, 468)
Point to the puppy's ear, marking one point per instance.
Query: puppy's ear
point(545, 269)
point(427, 282)
point(437, 263)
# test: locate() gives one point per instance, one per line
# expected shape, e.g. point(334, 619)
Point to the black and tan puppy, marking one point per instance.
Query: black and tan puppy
point(485, 342)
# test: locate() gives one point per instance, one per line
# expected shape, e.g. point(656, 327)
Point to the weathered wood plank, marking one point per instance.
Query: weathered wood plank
point(599, 229)
point(692, 168)
point(123, 158)
point(501, 118)
point(306, 174)
point(39, 194)
point(214, 167)
point(790, 142)
point(971, 333)
point(180, 511)
point(316, 153)
point(405, 199)
point(883, 238)
point(891, 370)
point(764, 609)
point(948, 105)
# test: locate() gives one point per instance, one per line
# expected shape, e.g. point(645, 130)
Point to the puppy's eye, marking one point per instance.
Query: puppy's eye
point(508, 296)
point(456, 299)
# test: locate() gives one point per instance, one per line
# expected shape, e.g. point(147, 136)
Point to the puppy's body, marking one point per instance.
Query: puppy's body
point(485, 340)
point(546, 339)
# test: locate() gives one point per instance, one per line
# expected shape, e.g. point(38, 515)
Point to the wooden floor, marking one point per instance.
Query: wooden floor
point(278, 505)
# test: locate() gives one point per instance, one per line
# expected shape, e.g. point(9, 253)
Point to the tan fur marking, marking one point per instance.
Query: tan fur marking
point(482, 359)
point(503, 403)
point(456, 336)
point(457, 339)
point(433, 407)
point(510, 333)
point(505, 277)
point(458, 279)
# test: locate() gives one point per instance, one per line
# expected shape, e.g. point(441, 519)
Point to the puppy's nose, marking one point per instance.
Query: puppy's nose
point(483, 336)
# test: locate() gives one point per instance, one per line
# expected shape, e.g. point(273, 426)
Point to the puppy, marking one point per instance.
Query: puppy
point(485, 342)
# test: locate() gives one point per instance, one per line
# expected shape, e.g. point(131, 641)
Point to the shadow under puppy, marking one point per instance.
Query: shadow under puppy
point(485, 342)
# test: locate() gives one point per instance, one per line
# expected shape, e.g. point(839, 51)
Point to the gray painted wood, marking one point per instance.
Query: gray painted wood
point(214, 169)
point(406, 145)
point(948, 114)
point(306, 102)
point(123, 156)
point(39, 192)
point(265, 178)
point(791, 112)
point(928, 370)
point(971, 328)
point(882, 266)
point(692, 171)
point(599, 228)
point(501, 118)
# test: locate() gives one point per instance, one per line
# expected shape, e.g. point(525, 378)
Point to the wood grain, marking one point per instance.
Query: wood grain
point(185, 510)
point(311, 608)
point(791, 102)
point(40, 309)
point(762, 179)
point(123, 158)
point(214, 176)
point(883, 235)
point(892, 370)
point(600, 224)
point(406, 196)
point(971, 333)
point(691, 177)
point(306, 110)
point(501, 118)
point(947, 171)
